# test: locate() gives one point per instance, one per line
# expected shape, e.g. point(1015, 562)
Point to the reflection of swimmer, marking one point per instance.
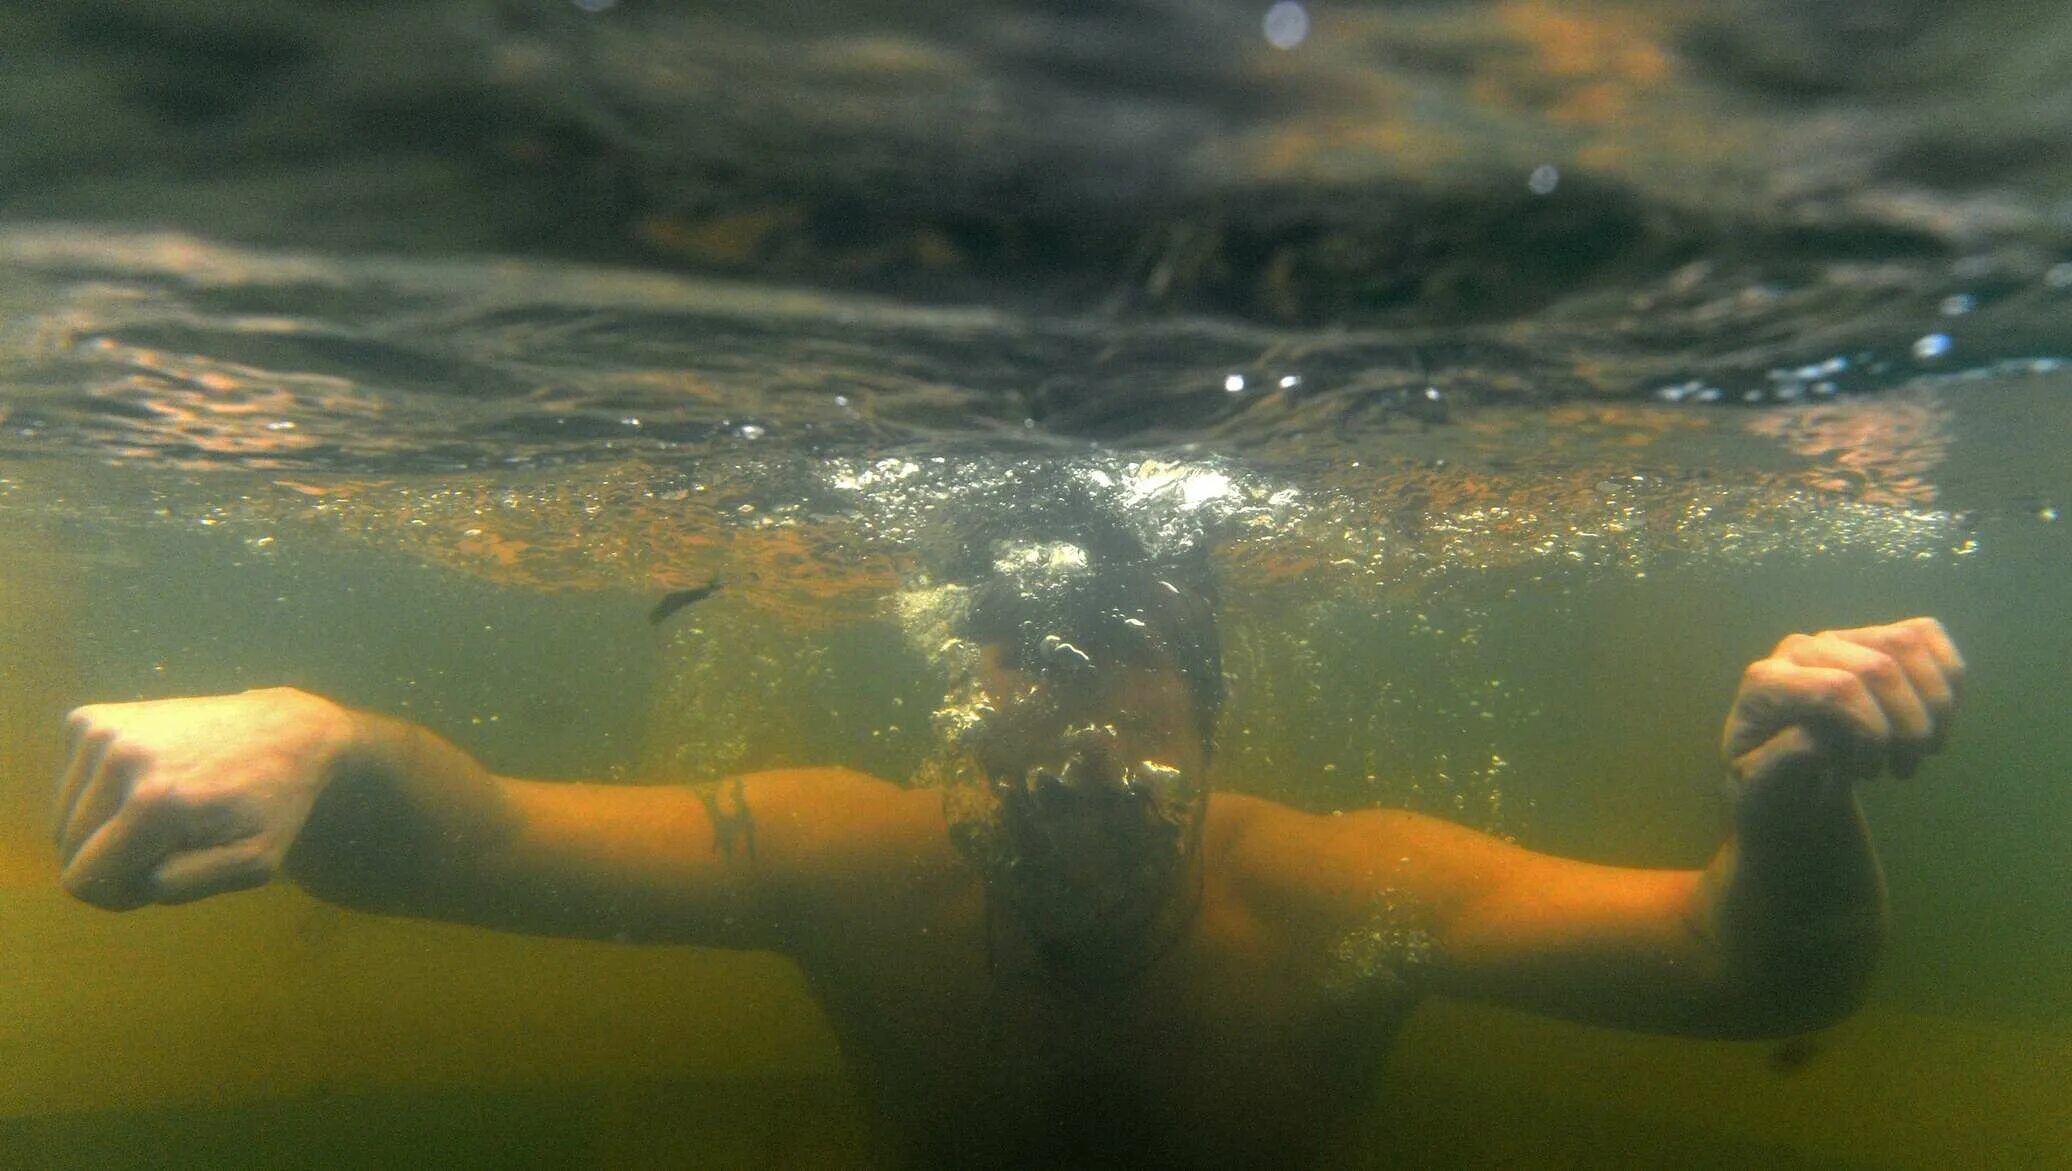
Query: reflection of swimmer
point(1066, 952)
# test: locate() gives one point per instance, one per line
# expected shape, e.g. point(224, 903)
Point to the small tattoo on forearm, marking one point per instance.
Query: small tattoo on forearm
point(730, 828)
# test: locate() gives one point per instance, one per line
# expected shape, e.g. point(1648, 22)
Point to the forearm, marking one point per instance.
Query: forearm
point(211, 794)
point(1795, 906)
point(410, 825)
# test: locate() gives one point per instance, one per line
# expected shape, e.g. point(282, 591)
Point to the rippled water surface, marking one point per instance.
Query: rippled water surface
point(571, 426)
point(1524, 369)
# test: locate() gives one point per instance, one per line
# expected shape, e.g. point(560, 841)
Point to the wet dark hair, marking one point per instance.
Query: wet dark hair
point(1121, 608)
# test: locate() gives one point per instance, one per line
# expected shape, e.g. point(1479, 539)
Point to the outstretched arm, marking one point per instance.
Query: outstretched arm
point(175, 800)
point(1777, 935)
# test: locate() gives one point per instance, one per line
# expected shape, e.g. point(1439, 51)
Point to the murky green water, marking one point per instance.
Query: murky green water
point(1504, 474)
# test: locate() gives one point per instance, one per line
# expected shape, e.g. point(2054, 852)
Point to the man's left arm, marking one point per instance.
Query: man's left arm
point(1777, 935)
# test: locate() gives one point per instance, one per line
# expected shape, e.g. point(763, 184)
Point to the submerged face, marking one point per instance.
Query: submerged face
point(1098, 794)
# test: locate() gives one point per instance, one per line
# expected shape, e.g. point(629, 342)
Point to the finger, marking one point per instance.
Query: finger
point(87, 754)
point(79, 723)
point(197, 874)
point(111, 865)
point(1937, 642)
point(1924, 669)
point(99, 798)
point(1887, 682)
point(1833, 705)
point(1924, 635)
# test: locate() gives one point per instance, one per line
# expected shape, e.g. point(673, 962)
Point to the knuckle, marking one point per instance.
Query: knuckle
point(1763, 673)
point(1882, 669)
point(1835, 688)
point(155, 796)
point(1929, 633)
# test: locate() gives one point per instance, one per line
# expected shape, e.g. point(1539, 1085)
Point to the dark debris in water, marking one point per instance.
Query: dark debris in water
point(678, 599)
point(1789, 1057)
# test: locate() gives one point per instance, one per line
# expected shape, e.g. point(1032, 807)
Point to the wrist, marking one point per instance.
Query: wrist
point(1803, 846)
point(1802, 793)
point(364, 843)
point(364, 746)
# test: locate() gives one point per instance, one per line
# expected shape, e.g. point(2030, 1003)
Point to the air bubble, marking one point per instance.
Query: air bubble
point(1286, 25)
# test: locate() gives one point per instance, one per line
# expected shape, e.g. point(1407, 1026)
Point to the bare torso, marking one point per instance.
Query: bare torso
point(1243, 1044)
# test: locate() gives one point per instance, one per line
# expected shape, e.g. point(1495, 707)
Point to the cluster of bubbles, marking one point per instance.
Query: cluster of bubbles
point(1169, 505)
point(1896, 363)
point(1784, 384)
point(1381, 957)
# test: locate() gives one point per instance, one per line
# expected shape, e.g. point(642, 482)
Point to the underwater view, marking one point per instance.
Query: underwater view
point(1454, 584)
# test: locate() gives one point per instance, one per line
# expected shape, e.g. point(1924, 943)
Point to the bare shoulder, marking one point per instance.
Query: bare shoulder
point(825, 786)
point(1279, 852)
point(828, 806)
point(835, 823)
point(1273, 851)
point(1254, 831)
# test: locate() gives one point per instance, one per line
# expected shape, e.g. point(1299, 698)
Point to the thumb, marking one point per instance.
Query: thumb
point(1788, 752)
point(1791, 760)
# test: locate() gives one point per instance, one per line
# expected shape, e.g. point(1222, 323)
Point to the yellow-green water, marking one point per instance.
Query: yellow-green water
point(269, 1030)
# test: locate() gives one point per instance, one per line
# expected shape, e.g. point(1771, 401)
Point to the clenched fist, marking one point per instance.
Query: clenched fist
point(173, 800)
point(1842, 706)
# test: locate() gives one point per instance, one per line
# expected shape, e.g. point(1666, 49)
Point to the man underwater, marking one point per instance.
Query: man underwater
point(1064, 950)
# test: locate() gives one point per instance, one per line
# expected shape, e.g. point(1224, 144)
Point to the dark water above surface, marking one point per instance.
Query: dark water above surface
point(1526, 368)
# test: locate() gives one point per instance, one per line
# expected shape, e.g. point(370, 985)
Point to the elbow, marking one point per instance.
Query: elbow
point(1788, 1012)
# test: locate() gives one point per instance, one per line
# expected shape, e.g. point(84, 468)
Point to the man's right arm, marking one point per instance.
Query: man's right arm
point(174, 800)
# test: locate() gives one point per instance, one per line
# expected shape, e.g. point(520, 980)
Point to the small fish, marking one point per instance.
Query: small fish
point(671, 603)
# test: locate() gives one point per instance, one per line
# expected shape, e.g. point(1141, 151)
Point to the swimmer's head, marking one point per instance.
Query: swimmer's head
point(1091, 709)
point(1074, 621)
